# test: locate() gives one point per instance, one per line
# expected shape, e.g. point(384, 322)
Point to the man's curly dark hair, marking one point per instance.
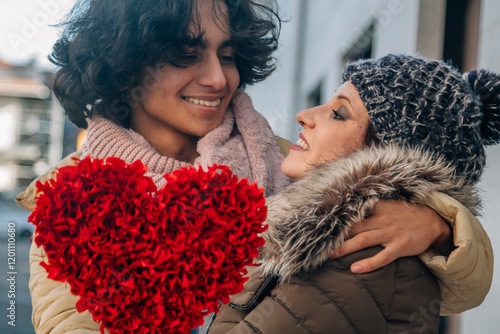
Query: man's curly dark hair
point(108, 44)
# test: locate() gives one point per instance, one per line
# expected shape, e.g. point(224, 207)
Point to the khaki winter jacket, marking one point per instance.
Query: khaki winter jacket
point(297, 289)
point(464, 277)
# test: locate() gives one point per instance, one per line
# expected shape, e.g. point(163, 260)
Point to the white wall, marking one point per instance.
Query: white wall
point(489, 36)
point(331, 27)
point(273, 97)
point(485, 319)
point(397, 28)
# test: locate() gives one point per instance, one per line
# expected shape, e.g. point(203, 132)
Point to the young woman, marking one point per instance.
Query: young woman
point(399, 128)
point(162, 81)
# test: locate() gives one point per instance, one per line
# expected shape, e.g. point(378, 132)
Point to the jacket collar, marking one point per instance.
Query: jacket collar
point(27, 199)
point(315, 214)
point(256, 288)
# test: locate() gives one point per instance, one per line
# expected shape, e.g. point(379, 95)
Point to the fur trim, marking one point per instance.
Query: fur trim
point(316, 213)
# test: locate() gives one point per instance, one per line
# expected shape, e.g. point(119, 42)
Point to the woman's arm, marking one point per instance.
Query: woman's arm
point(54, 307)
point(459, 254)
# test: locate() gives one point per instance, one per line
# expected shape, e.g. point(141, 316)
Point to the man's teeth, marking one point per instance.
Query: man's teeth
point(302, 144)
point(203, 102)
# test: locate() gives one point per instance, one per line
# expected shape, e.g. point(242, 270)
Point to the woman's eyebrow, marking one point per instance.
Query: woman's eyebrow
point(344, 97)
point(345, 111)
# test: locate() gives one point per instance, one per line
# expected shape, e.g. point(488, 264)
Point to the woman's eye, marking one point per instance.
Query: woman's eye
point(336, 115)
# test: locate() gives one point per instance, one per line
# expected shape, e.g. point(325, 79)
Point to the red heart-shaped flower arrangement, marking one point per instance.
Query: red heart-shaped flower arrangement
point(142, 260)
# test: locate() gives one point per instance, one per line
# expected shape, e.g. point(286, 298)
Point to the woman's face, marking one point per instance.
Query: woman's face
point(331, 130)
point(180, 104)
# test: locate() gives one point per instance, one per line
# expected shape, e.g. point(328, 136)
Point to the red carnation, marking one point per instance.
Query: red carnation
point(142, 260)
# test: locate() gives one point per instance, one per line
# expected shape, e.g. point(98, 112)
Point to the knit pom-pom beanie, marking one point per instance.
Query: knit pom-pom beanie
point(487, 86)
point(414, 101)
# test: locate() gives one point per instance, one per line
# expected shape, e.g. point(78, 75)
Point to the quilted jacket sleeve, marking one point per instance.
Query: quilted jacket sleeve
point(465, 275)
point(54, 307)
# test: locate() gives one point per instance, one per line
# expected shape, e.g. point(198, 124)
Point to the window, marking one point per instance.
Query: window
point(461, 33)
point(314, 97)
point(362, 47)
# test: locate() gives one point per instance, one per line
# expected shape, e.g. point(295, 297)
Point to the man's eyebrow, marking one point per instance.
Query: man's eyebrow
point(227, 43)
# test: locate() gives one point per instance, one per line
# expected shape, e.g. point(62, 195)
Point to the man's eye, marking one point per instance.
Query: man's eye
point(227, 55)
point(184, 59)
point(227, 58)
point(189, 55)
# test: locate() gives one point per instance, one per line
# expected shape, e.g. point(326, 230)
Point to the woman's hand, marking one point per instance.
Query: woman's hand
point(402, 229)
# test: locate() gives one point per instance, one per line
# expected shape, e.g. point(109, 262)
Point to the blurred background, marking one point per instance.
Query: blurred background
point(319, 37)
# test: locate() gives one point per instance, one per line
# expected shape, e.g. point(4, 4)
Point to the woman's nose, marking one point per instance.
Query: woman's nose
point(306, 118)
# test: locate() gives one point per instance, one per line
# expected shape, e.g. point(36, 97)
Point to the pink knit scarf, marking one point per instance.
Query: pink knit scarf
point(244, 142)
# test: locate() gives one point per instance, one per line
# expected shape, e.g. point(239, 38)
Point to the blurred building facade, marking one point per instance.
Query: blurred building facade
point(25, 137)
point(30, 126)
point(31, 136)
point(34, 133)
point(322, 35)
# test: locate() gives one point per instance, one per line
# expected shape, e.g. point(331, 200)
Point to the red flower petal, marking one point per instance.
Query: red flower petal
point(142, 260)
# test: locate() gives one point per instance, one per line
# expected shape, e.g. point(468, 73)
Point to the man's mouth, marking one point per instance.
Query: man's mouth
point(201, 102)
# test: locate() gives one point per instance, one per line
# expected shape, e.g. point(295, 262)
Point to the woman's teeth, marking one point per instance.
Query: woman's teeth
point(203, 102)
point(302, 144)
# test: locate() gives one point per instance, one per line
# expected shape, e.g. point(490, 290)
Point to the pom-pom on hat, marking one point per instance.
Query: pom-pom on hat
point(427, 103)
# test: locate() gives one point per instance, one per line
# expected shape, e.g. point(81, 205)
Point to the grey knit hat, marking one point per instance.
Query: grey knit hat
point(420, 102)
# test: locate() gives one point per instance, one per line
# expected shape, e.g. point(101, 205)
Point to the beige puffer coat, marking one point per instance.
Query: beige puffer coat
point(297, 289)
point(464, 277)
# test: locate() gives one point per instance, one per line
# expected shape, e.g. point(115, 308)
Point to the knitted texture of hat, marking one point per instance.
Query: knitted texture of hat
point(426, 103)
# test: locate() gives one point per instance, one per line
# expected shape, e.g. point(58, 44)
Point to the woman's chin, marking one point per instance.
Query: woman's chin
point(292, 169)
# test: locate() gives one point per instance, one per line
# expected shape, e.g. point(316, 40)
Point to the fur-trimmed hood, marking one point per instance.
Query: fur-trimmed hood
point(315, 214)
